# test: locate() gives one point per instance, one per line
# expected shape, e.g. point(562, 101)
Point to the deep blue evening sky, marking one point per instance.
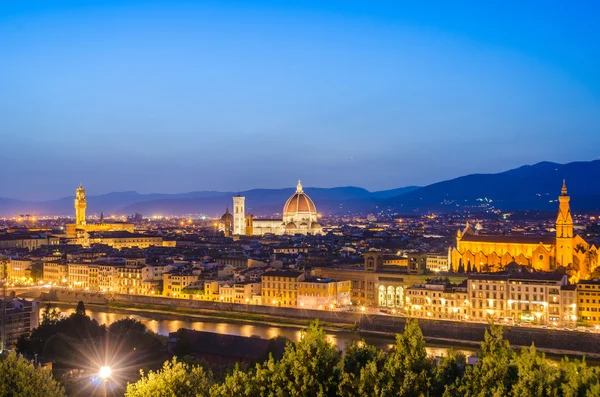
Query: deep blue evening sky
point(181, 96)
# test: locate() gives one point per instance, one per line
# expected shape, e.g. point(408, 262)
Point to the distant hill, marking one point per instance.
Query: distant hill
point(384, 194)
point(531, 187)
point(262, 202)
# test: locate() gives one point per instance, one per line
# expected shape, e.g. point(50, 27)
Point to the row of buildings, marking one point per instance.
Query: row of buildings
point(516, 295)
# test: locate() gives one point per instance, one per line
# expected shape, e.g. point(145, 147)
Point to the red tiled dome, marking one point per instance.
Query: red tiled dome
point(299, 202)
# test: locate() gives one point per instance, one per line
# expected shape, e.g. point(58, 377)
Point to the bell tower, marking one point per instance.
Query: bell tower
point(239, 215)
point(564, 229)
point(80, 206)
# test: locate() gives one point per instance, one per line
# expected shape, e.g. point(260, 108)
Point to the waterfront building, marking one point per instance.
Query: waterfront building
point(55, 272)
point(478, 252)
point(241, 292)
point(568, 301)
point(376, 285)
point(438, 299)
point(323, 293)
point(74, 230)
point(19, 270)
point(535, 297)
point(588, 301)
point(299, 217)
point(522, 296)
point(280, 287)
point(79, 275)
point(130, 280)
point(174, 282)
point(108, 276)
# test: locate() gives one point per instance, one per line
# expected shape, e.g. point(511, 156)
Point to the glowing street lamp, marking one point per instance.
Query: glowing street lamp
point(105, 372)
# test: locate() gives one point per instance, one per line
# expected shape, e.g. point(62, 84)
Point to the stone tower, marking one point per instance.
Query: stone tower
point(373, 261)
point(564, 230)
point(80, 205)
point(239, 215)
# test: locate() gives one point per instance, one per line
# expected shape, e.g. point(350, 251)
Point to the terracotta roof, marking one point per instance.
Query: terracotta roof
point(299, 202)
point(515, 239)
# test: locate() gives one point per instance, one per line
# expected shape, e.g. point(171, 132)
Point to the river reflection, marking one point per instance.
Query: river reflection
point(163, 326)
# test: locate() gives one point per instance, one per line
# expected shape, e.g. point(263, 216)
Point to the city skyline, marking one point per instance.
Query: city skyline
point(142, 96)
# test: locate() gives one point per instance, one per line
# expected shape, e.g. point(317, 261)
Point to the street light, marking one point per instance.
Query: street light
point(105, 372)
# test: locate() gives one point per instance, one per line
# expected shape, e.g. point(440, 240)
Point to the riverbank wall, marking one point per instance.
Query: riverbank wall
point(552, 339)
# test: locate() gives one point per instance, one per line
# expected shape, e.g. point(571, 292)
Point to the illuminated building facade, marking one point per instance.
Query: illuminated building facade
point(299, 217)
point(73, 230)
point(588, 302)
point(528, 297)
point(438, 300)
point(376, 284)
point(56, 272)
point(475, 252)
point(323, 293)
point(280, 287)
point(19, 270)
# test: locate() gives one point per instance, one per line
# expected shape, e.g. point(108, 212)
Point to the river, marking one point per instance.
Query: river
point(163, 324)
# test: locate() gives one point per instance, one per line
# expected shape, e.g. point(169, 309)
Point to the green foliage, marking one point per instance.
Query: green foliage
point(19, 378)
point(494, 372)
point(407, 371)
point(175, 379)
point(313, 367)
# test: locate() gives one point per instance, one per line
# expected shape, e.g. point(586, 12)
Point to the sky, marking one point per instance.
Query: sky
point(179, 96)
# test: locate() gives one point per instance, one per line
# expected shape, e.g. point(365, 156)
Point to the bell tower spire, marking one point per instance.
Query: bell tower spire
point(80, 206)
point(564, 229)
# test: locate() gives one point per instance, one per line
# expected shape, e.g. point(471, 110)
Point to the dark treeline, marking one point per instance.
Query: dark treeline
point(314, 367)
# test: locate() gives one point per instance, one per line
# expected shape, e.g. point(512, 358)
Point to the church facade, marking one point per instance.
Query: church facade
point(477, 252)
point(299, 217)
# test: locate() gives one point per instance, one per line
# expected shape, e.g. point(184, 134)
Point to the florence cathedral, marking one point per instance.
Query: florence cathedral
point(299, 217)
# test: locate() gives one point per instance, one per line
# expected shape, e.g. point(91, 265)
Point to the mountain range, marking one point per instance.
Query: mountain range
point(531, 187)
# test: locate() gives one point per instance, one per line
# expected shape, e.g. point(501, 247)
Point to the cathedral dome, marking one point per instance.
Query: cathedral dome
point(299, 203)
point(291, 225)
point(227, 216)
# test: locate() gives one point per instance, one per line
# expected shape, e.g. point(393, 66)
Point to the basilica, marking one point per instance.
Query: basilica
point(478, 252)
point(299, 217)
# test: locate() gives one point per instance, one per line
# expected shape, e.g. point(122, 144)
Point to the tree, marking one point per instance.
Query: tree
point(535, 376)
point(20, 378)
point(408, 371)
point(80, 310)
point(449, 368)
point(358, 363)
point(577, 379)
point(494, 373)
point(50, 315)
point(309, 367)
point(461, 267)
point(175, 379)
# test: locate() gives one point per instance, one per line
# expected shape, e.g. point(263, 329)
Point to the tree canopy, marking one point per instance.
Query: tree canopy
point(314, 367)
point(20, 378)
